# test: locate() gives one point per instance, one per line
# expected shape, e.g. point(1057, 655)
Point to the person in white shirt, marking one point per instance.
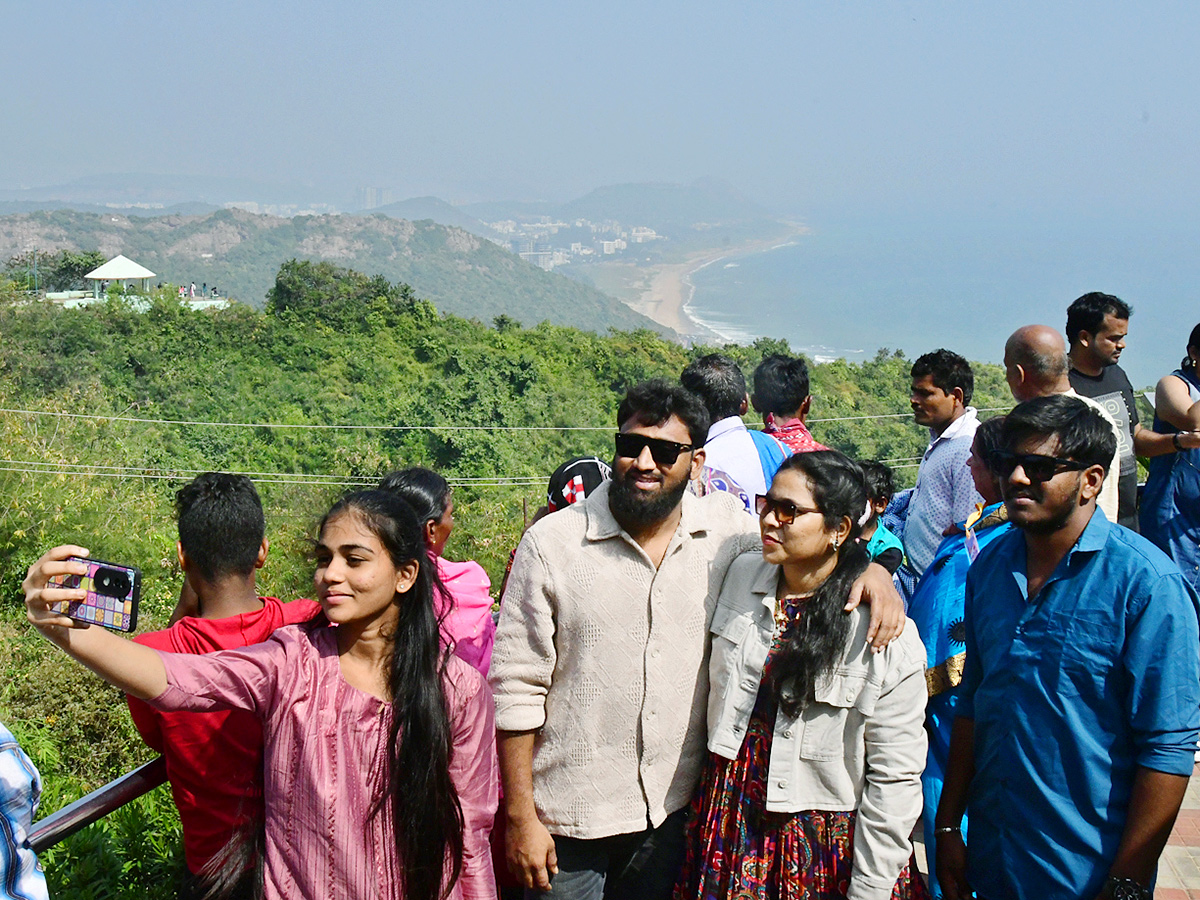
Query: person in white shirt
point(750, 458)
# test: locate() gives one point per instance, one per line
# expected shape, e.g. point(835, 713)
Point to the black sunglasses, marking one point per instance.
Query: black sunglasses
point(1036, 467)
point(665, 453)
point(785, 510)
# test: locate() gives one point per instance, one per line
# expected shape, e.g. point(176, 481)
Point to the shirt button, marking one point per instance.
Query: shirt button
point(788, 733)
point(654, 653)
point(849, 696)
point(782, 784)
point(749, 684)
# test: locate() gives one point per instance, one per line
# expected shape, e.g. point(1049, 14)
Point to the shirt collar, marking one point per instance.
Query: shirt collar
point(766, 580)
point(1095, 534)
point(1091, 540)
point(968, 419)
point(795, 425)
point(724, 426)
point(766, 585)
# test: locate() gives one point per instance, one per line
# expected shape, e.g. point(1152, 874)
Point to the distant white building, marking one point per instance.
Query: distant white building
point(119, 268)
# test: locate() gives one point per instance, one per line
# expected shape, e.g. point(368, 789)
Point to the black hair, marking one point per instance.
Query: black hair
point(221, 524)
point(818, 638)
point(1084, 435)
point(718, 381)
point(948, 371)
point(780, 384)
point(879, 479)
point(1087, 313)
point(425, 806)
point(427, 492)
point(653, 402)
point(989, 436)
point(1193, 341)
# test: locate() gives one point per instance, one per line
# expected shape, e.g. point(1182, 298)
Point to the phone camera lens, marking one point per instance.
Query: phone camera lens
point(111, 583)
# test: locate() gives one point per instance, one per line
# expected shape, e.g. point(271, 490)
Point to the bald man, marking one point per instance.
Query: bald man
point(1036, 365)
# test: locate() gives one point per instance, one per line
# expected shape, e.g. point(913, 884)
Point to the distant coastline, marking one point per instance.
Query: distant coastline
point(665, 292)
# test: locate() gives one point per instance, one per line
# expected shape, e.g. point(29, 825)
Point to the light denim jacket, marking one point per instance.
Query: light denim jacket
point(860, 745)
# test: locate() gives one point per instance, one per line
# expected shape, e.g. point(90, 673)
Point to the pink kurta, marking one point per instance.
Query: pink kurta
point(469, 624)
point(325, 762)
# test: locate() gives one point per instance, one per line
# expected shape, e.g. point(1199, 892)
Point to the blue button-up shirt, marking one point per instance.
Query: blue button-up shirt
point(1071, 692)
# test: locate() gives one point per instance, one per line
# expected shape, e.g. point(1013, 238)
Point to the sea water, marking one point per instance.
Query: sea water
point(856, 284)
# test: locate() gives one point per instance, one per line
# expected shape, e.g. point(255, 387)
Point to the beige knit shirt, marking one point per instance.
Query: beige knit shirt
point(608, 659)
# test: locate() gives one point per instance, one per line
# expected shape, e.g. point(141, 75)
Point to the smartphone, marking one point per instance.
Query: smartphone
point(112, 594)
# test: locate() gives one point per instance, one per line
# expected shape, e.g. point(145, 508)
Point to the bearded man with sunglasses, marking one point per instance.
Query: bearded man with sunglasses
point(600, 669)
point(1080, 711)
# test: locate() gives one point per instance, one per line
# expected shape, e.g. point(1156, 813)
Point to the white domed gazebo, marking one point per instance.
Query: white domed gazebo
point(119, 268)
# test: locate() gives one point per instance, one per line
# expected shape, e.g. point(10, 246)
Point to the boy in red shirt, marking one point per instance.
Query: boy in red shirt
point(214, 759)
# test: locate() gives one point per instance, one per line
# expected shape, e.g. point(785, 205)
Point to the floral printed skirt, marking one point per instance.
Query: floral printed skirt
point(737, 850)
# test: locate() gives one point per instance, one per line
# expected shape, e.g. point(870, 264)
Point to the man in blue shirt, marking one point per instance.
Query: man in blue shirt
point(1077, 728)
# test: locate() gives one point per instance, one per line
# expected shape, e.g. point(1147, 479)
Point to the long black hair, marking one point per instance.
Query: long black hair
point(818, 637)
point(427, 492)
point(425, 807)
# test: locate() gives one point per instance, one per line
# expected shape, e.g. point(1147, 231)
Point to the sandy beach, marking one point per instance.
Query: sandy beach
point(665, 291)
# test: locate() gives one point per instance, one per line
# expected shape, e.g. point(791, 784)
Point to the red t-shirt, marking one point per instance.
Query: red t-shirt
point(214, 759)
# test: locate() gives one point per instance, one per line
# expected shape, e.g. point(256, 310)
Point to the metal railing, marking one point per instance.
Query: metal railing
point(95, 806)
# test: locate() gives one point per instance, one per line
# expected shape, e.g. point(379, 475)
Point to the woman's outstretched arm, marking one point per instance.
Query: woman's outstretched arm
point(135, 669)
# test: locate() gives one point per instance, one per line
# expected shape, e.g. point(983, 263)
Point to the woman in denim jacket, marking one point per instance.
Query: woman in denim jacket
point(813, 782)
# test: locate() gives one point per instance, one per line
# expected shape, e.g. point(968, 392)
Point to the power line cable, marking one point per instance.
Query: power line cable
point(337, 427)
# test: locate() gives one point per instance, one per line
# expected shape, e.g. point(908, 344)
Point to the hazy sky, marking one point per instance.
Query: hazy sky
point(801, 105)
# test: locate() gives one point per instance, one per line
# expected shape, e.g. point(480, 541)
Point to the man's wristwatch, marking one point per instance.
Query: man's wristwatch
point(1128, 889)
point(1175, 441)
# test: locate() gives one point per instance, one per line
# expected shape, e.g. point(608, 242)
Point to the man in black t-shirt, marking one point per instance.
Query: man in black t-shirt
point(1097, 325)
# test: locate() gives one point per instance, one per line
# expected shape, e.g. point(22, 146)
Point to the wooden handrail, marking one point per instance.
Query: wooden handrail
point(99, 803)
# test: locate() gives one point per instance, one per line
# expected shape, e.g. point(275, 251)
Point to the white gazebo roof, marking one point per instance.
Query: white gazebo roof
point(119, 268)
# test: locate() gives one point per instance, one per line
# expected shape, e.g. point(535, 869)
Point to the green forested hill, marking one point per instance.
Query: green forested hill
point(240, 252)
point(105, 412)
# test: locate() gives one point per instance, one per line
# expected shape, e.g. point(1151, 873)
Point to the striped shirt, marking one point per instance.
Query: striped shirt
point(326, 762)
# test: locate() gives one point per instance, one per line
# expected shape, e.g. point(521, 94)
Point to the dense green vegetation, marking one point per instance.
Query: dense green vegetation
point(490, 406)
point(60, 271)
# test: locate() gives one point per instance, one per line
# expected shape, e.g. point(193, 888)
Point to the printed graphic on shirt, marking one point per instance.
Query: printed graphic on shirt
point(1114, 405)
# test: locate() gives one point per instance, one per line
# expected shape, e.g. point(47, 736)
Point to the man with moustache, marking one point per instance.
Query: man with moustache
point(1097, 325)
point(600, 666)
point(1077, 724)
point(942, 384)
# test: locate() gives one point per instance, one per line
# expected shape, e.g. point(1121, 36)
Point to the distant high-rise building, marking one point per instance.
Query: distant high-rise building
point(373, 197)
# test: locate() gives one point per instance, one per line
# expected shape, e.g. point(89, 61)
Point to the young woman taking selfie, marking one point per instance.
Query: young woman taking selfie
point(380, 771)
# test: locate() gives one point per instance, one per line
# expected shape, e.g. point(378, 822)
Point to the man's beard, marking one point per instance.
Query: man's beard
point(635, 508)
